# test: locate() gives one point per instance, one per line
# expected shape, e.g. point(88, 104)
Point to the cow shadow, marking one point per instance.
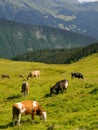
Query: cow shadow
point(47, 95)
point(50, 95)
point(29, 121)
point(9, 125)
point(14, 97)
point(94, 91)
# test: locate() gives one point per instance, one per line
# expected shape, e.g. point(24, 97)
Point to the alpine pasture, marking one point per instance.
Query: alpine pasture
point(77, 109)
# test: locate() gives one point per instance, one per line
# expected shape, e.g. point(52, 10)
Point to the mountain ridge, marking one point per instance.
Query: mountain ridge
point(70, 15)
point(18, 38)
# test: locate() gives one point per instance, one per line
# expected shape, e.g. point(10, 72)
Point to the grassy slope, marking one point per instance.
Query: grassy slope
point(77, 109)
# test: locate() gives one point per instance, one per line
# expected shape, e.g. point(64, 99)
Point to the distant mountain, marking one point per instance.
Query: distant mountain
point(58, 56)
point(17, 39)
point(67, 14)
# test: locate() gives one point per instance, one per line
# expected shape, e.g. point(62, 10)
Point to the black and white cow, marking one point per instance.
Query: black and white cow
point(77, 75)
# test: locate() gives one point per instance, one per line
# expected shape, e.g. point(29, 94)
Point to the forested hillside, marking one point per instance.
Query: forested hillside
point(19, 38)
point(59, 56)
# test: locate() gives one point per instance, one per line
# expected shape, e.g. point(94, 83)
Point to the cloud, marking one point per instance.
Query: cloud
point(87, 0)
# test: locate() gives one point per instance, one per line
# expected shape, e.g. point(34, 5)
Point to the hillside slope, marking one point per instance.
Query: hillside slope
point(75, 109)
point(58, 56)
point(19, 38)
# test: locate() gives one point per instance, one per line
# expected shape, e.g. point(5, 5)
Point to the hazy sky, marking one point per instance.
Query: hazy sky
point(87, 0)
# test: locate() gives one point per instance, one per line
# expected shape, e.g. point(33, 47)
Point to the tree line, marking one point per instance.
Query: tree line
point(58, 56)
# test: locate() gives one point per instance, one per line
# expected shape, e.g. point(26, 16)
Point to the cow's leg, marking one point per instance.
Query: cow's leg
point(14, 120)
point(37, 77)
point(57, 91)
point(18, 119)
point(27, 92)
point(32, 115)
point(62, 91)
point(65, 90)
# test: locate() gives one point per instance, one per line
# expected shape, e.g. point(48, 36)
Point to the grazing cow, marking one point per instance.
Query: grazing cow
point(5, 76)
point(25, 88)
point(59, 86)
point(21, 75)
point(77, 75)
point(25, 108)
point(35, 73)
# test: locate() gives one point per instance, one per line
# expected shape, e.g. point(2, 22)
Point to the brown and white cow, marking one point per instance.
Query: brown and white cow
point(61, 86)
point(21, 75)
point(25, 88)
point(5, 76)
point(27, 107)
point(35, 73)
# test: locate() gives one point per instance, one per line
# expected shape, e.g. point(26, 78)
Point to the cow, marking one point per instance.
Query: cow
point(61, 86)
point(25, 88)
point(5, 76)
point(35, 73)
point(27, 107)
point(21, 75)
point(77, 75)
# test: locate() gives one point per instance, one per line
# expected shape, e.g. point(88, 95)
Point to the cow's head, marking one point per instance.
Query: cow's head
point(43, 116)
point(51, 90)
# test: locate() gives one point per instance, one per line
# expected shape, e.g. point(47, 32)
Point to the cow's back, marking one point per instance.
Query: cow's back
point(25, 85)
point(30, 106)
point(35, 73)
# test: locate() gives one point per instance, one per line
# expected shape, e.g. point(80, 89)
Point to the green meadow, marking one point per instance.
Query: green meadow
point(77, 109)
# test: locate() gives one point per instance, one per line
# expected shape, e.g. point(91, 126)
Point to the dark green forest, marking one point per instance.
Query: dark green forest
point(58, 56)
